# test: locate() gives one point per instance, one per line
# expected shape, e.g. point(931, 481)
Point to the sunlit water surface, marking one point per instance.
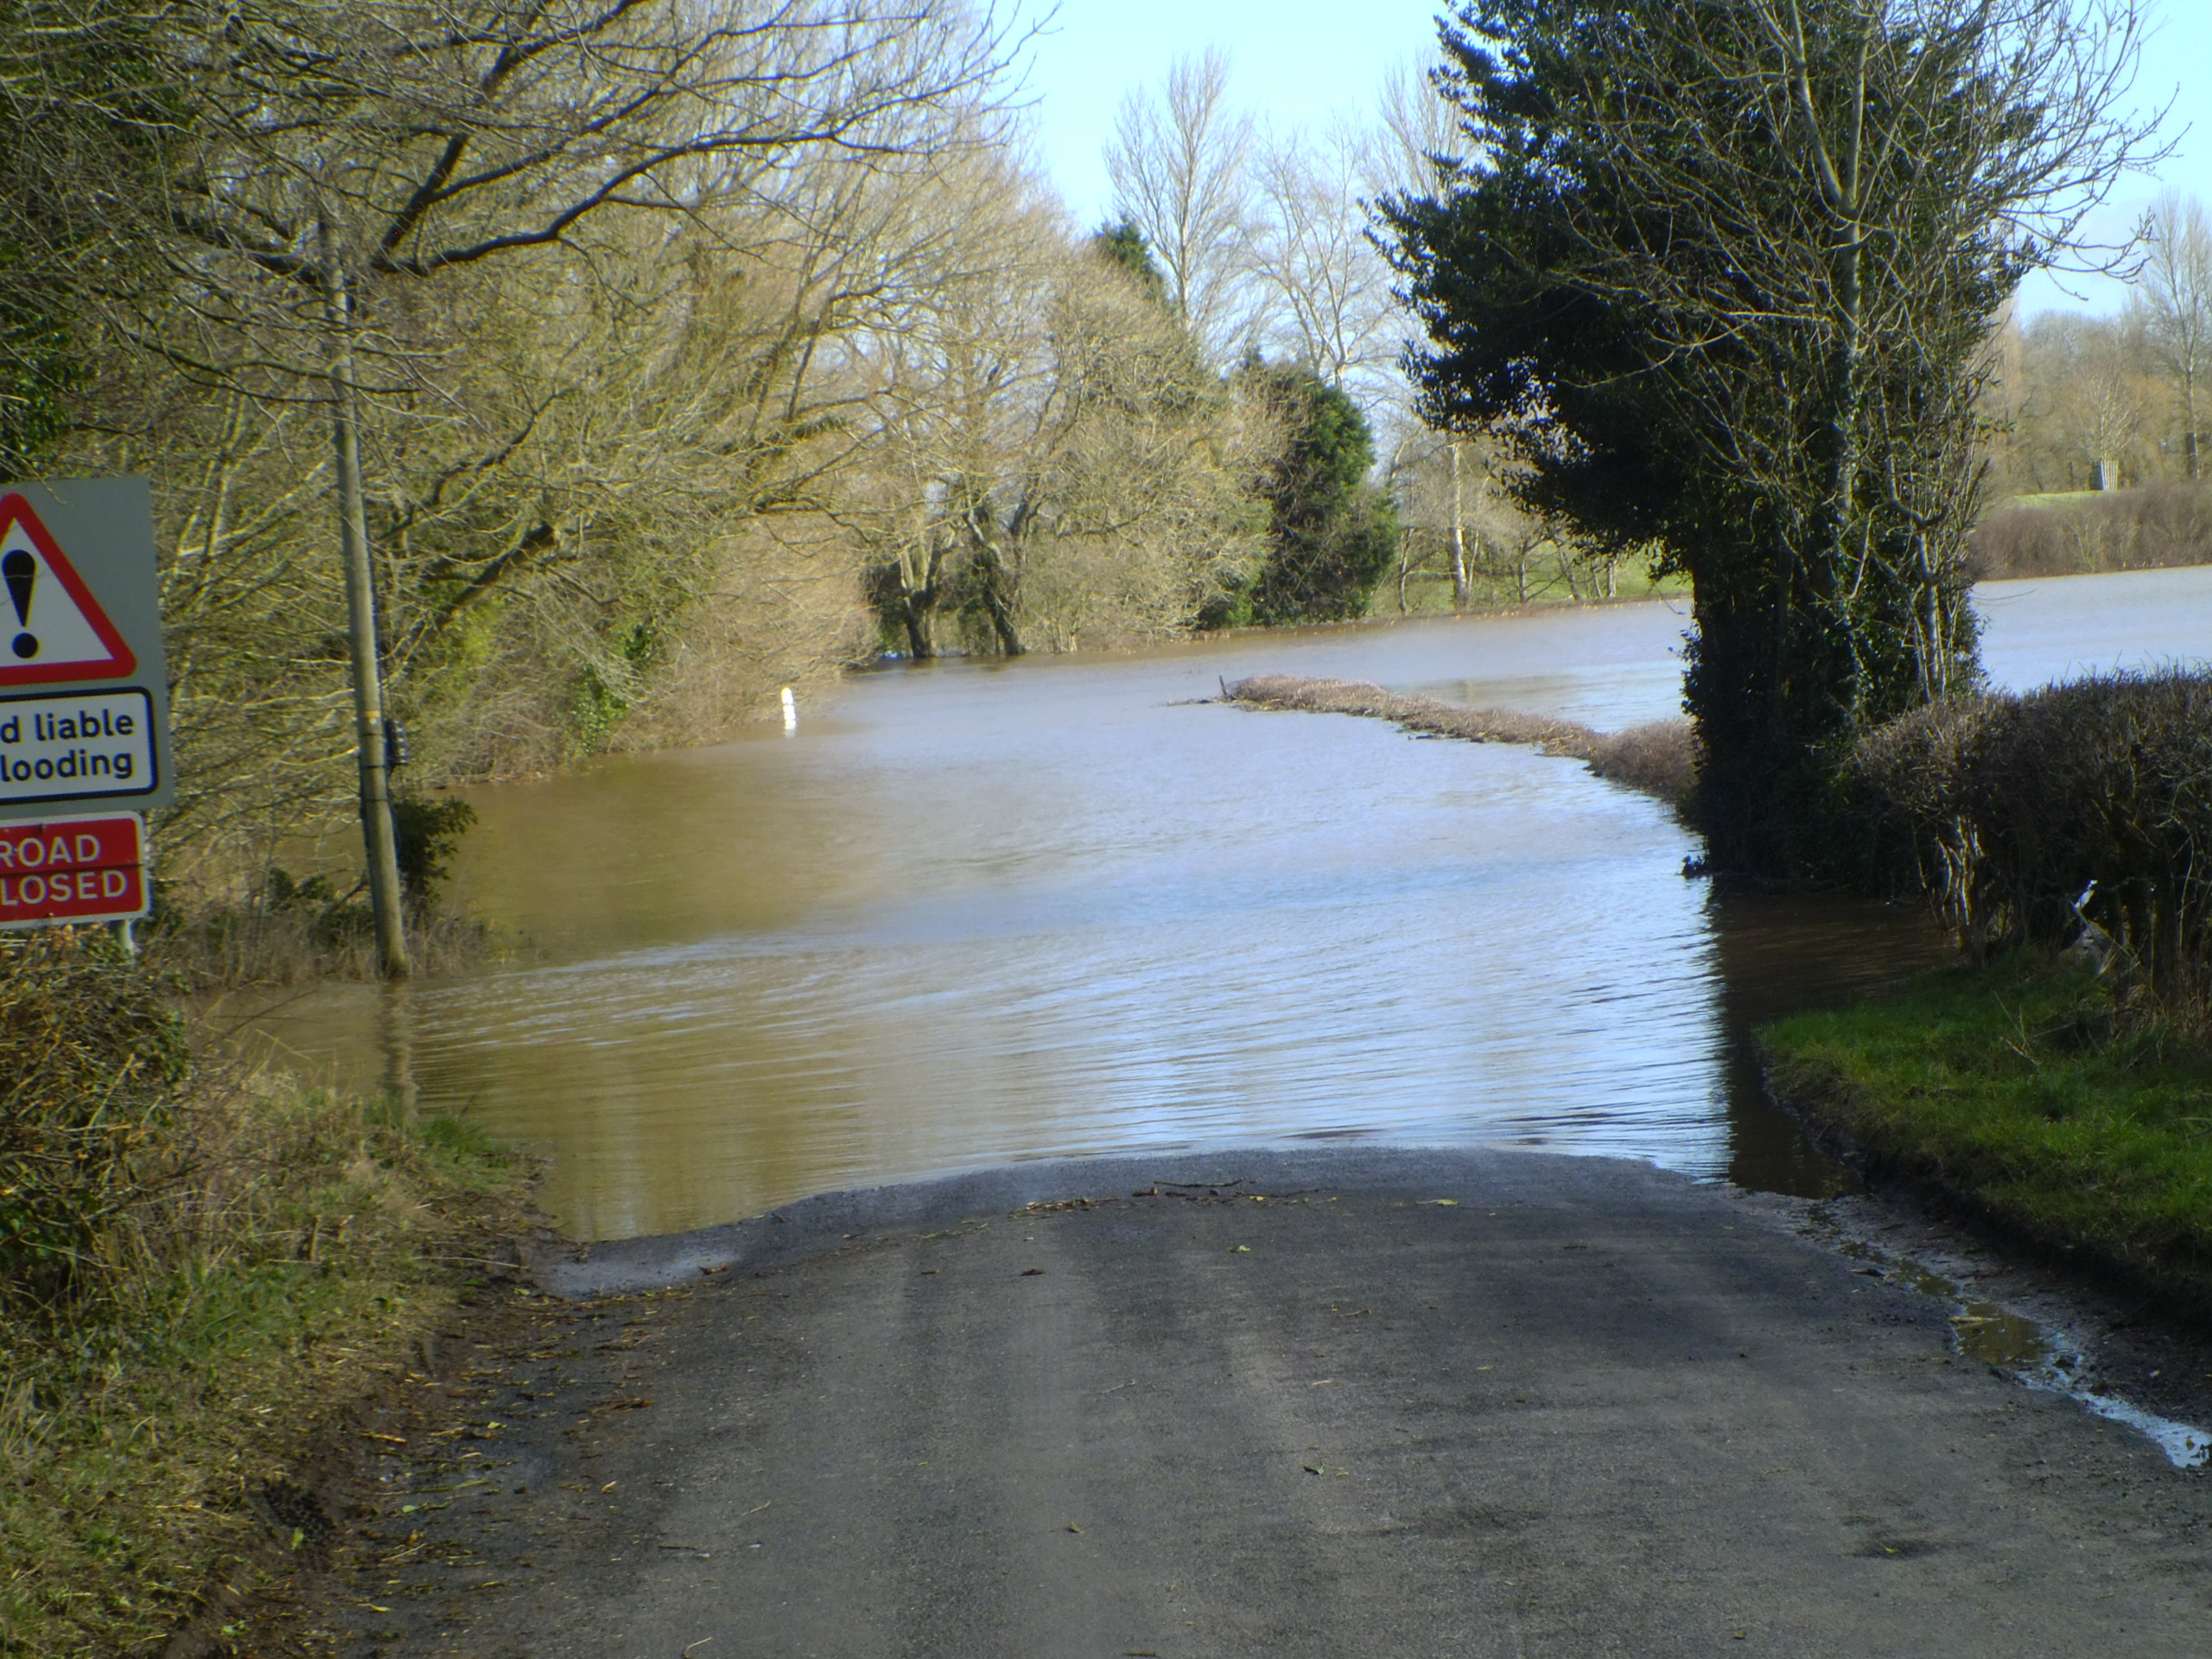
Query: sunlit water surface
point(972, 913)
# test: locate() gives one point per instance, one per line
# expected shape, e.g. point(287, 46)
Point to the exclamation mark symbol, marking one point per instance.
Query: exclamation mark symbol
point(21, 570)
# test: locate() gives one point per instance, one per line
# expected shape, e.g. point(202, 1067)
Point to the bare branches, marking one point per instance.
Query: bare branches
point(2175, 286)
point(1178, 164)
point(1312, 253)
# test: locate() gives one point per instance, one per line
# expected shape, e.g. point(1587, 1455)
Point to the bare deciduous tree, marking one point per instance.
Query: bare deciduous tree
point(1179, 166)
point(325, 154)
point(1418, 132)
point(1312, 254)
point(1056, 463)
point(2176, 287)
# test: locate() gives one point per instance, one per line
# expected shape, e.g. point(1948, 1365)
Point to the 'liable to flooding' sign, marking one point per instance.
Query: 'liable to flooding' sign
point(84, 700)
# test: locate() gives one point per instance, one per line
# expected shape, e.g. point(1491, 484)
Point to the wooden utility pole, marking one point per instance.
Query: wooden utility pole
point(377, 837)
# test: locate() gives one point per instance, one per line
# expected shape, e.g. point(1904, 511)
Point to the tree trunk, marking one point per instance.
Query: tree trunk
point(2188, 418)
point(1458, 536)
point(378, 841)
point(920, 646)
point(998, 603)
point(918, 598)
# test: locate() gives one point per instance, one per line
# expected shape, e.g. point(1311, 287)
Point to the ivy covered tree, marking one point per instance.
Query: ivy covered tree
point(1724, 279)
point(1331, 534)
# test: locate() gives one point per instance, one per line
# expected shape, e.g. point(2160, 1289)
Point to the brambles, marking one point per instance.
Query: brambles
point(93, 1058)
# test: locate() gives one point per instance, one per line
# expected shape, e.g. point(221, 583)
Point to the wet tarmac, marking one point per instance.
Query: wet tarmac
point(1349, 1402)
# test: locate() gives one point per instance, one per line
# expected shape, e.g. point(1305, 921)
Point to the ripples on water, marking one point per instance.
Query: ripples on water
point(977, 912)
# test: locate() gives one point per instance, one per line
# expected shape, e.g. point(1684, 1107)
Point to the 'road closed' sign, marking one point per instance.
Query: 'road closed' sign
point(73, 870)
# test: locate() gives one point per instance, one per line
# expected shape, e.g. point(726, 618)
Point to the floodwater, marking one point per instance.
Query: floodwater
point(971, 913)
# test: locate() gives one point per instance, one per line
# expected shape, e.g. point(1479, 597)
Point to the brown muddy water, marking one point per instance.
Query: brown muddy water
point(971, 913)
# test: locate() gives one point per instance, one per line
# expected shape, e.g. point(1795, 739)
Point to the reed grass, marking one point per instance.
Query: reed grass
point(1656, 757)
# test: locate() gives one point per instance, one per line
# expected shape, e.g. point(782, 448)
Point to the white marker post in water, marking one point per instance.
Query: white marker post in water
point(791, 711)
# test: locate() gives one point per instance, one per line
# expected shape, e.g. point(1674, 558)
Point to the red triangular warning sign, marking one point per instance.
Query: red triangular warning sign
point(52, 631)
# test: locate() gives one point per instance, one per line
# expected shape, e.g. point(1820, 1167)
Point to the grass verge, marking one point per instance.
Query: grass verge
point(2019, 1092)
point(201, 1277)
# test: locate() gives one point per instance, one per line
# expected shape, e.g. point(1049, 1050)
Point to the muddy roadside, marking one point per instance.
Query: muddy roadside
point(1579, 1402)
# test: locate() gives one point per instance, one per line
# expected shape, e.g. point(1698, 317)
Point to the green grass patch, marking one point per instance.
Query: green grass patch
point(253, 1260)
point(2019, 1089)
point(2052, 499)
point(1428, 592)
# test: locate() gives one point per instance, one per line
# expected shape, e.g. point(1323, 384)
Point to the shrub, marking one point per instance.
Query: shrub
point(428, 833)
point(1658, 757)
point(2084, 809)
point(2148, 529)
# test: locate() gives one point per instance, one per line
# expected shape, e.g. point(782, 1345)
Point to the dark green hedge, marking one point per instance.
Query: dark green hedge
point(2011, 811)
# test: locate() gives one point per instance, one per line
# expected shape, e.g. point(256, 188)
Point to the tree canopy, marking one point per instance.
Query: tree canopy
point(1331, 534)
point(1724, 277)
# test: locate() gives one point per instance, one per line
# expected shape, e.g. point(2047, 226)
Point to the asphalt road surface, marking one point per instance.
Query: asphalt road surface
point(1482, 1404)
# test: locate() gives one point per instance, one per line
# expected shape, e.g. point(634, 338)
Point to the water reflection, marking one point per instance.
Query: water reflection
point(972, 913)
point(1779, 954)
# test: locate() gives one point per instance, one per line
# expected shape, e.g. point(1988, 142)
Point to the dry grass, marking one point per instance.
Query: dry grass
point(202, 1273)
point(1656, 759)
point(257, 942)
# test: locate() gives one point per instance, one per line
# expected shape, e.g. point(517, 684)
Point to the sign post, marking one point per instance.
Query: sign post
point(83, 700)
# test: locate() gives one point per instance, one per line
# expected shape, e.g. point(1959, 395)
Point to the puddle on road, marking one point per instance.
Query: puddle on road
point(2035, 1355)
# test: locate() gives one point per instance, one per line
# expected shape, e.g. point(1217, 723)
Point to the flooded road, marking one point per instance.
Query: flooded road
point(972, 913)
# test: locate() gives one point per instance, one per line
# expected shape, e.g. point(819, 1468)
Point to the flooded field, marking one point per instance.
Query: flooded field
point(975, 912)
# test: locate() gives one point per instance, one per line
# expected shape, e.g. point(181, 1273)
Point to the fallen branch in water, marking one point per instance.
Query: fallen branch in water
point(1655, 757)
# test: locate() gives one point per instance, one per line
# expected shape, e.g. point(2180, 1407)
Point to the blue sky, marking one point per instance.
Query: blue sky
point(1295, 60)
